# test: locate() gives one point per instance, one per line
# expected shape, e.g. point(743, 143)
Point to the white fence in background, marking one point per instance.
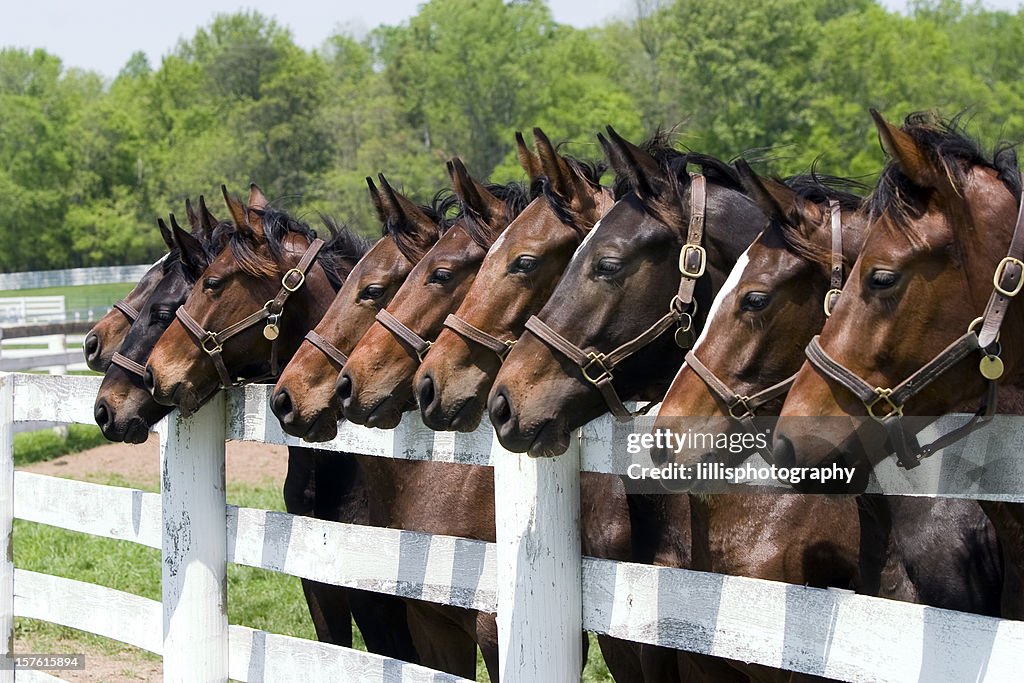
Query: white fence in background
point(19, 310)
point(72, 277)
point(544, 593)
point(52, 353)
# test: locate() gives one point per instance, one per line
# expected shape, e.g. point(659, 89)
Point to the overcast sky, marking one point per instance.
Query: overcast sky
point(102, 34)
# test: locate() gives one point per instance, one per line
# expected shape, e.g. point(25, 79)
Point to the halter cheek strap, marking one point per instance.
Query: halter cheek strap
point(886, 404)
point(597, 367)
point(418, 344)
point(213, 342)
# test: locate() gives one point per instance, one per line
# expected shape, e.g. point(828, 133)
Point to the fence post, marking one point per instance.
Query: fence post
point(6, 523)
point(540, 612)
point(194, 545)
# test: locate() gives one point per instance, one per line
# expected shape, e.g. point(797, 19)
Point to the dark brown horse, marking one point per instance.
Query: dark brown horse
point(942, 218)
point(304, 399)
point(375, 385)
point(325, 488)
point(517, 276)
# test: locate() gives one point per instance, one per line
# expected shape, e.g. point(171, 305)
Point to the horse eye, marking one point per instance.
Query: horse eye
point(441, 275)
point(608, 266)
point(524, 264)
point(211, 283)
point(161, 316)
point(755, 301)
point(372, 292)
point(883, 279)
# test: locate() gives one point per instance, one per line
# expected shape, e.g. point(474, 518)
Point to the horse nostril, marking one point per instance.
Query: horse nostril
point(499, 409)
point(343, 388)
point(281, 404)
point(104, 416)
point(92, 346)
point(783, 453)
point(426, 391)
point(149, 380)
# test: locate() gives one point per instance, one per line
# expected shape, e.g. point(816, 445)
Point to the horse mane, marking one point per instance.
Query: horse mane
point(514, 195)
point(590, 172)
point(337, 257)
point(950, 149)
point(439, 211)
point(819, 189)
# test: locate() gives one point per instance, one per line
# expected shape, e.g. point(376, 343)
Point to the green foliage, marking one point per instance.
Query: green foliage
point(86, 165)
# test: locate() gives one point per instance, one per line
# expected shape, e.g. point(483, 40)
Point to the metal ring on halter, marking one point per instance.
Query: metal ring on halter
point(599, 359)
point(883, 395)
point(977, 321)
point(740, 402)
point(830, 297)
point(422, 353)
point(216, 349)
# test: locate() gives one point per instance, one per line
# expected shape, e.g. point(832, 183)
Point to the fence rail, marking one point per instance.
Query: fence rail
point(543, 592)
point(70, 277)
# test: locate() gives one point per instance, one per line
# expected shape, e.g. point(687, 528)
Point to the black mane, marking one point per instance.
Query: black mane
point(515, 196)
point(819, 189)
point(949, 148)
point(440, 211)
point(590, 172)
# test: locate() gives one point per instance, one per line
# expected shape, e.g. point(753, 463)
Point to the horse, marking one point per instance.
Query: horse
point(942, 221)
point(375, 386)
point(107, 335)
point(620, 277)
point(324, 488)
point(516, 277)
point(779, 293)
point(304, 400)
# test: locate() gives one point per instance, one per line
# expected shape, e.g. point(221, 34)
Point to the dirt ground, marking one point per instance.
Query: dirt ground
point(250, 463)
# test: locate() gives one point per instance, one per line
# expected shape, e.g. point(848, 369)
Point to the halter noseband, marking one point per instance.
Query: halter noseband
point(472, 333)
point(127, 309)
point(325, 347)
point(1006, 282)
point(743, 407)
point(597, 367)
point(213, 342)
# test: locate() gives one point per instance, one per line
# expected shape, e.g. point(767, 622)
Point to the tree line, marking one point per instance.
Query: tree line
point(87, 164)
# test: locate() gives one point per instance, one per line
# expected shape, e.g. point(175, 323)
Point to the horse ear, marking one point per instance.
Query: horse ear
point(257, 200)
point(165, 233)
point(906, 153)
point(206, 219)
point(643, 170)
point(193, 217)
point(237, 211)
point(557, 171)
point(474, 195)
point(192, 253)
point(378, 204)
point(414, 231)
point(527, 159)
point(773, 198)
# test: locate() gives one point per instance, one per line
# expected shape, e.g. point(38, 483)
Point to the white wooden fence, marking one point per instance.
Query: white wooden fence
point(544, 593)
point(32, 309)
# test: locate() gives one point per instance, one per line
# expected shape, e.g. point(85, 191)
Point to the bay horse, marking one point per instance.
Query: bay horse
point(942, 221)
point(304, 400)
point(324, 488)
point(778, 295)
point(616, 289)
point(107, 335)
point(375, 386)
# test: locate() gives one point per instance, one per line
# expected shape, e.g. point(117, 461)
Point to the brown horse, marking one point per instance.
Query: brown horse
point(375, 385)
point(321, 487)
point(942, 218)
point(107, 335)
point(517, 276)
point(304, 399)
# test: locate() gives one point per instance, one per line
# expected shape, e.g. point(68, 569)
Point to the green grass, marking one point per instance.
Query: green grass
point(80, 298)
point(47, 444)
point(256, 598)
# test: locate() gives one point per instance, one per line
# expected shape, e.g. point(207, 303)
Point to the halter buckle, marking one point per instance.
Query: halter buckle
point(831, 296)
point(692, 273)
point(422, 353)
point(606, 372)
point(284, 280)
point(997, 278)
point(883, 396)
point(509, 343)
point(210, 336)
point(740, 402)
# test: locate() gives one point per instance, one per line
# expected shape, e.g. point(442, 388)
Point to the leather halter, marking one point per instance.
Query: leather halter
point(127, 364)
point(472, 333)
point(597, 367)
point(743, 407)
point(127, 309)
point(325, 347)
point(213, 342)
point(1007, 282)
point(418, 344)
